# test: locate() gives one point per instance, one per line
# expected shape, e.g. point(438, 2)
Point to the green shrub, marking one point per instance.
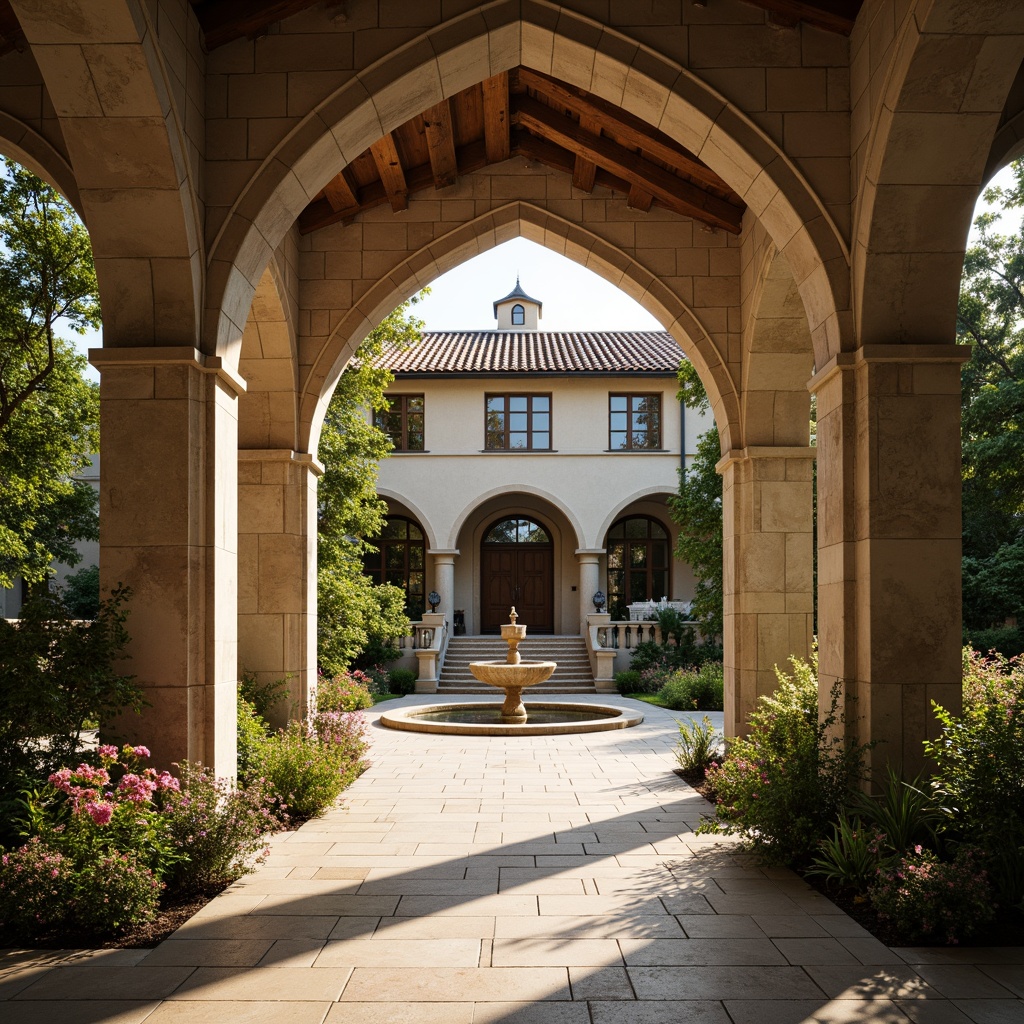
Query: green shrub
point(402, 680)
point(347, 691)
point(1005, 640)
point(700, 690)
point(698, 745)
point(115, 893)
point(852, 857)
point(924, 900)
point(252, 730)
point(979, 760)
point(37, 890)
point(57, 675)
point(219, 826)
point(782, 786)
point(627, 681)
point(263, 697)
point(81, 593)
point(305, 773)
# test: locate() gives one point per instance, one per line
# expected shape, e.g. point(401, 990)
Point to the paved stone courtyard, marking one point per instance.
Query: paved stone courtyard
point(552, 880)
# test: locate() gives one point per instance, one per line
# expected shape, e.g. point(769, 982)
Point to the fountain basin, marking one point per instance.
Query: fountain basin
point(574, 718)
point(502, 674)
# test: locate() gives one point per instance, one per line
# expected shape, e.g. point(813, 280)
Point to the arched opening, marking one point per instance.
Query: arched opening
point(518, 315)
point(639, 563)
point(517, 559)
point(400, 560)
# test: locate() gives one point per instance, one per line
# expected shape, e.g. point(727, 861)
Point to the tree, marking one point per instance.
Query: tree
point(990, 317)
point(355, 615)
point(697, 509)
point(48, 413)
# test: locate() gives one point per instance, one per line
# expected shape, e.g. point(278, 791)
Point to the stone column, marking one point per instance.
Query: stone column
point(590, 581)
point(277, 583)
point(444, 579)
point(169, 531)
point(889, 530)
point(767, 521)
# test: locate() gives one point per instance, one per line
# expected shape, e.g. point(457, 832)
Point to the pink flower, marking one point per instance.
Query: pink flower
point(165, 780)
point(136, 789)
point(101, 813)
point(108, 752)
point(141, 751)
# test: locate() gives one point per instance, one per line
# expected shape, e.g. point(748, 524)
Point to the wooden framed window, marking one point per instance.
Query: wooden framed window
point(400, 560)
point(517, 423)
point(638, 563)
point(634, 422)
point(402, 421)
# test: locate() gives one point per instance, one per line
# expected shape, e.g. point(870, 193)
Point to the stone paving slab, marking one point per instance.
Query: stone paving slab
point(484, 880)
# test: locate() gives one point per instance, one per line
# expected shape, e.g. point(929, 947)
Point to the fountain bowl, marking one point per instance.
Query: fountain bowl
point(575, 718)
point(502, 674)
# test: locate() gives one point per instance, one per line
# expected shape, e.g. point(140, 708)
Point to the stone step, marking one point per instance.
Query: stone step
point(573, 674)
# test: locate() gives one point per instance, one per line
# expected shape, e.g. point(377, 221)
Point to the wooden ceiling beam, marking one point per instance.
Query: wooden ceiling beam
point(552, 155)
point(639, 199)
point(392, 174)
point(584, 170)
point(674, 192)
point(631, 130)
point(341, 193)
point(437, 121)
point(831, 15)
point(223, 21)
point(497, 123)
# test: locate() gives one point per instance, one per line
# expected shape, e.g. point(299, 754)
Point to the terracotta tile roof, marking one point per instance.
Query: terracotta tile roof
point(510, 352)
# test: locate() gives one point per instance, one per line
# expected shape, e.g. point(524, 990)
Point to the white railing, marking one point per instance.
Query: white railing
point(428, 642)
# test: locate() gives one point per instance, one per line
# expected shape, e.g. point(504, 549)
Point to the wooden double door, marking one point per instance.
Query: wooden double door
point(520, 574)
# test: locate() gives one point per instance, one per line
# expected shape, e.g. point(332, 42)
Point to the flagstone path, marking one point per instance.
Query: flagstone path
point(549, 880)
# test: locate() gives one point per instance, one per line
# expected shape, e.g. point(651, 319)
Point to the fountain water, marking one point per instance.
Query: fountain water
point(512, 675)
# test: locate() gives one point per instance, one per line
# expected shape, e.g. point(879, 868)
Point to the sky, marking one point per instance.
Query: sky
point(574, 298)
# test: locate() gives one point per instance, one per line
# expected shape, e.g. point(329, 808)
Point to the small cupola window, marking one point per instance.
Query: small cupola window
point(518, 315)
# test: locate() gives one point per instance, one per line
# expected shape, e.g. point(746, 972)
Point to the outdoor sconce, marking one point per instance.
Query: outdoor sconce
point(599, 600)
point(434, 599)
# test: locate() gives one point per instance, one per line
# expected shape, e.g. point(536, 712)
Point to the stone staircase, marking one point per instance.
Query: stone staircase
point(573, 674)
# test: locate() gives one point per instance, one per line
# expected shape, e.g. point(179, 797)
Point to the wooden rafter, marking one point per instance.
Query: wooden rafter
point(437, 121)
point(223, 21)
point(630, 130)
point(341, 194)
point(672, 191)
point(583, 170)
point(389, 167)
point(830, 15)
point(496, 117)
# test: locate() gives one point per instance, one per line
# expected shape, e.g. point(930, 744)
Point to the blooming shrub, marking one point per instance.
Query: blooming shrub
point(37, 889)
point(347, 691)
point(217, 826)
point(979, 760)
point(923, 899)
point(307, 769)
point(782, 786)
point(695, 690)
point(111, 809)
point(115, 893)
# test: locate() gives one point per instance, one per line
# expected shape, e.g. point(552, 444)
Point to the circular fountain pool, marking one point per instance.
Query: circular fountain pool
point(485, 719)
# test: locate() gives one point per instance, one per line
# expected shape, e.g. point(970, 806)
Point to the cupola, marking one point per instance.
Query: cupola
point(517, 311)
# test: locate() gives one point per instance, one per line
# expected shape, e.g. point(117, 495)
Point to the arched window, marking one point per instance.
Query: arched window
point(518, 530)
point(400, 561)
point(638, 563)
point(518, 315)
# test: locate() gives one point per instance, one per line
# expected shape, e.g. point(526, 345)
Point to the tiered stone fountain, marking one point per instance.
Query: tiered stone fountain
point(512, 675)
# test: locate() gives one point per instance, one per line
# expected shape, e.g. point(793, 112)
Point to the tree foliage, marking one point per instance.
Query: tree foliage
point(48, 413)
point(697, 509)
point(991, 319)
point(354, 615)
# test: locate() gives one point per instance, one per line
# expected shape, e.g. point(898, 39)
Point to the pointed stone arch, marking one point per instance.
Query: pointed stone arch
point(556, 42)
point(130, 155)
point(576, 243)
point(23, 143)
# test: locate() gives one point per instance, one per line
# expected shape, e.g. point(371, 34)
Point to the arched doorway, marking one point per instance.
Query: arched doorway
point(638, 563)
point(400, 561)
point(517, 563)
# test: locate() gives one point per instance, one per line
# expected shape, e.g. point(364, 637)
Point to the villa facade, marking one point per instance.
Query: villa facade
point(533, 468)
